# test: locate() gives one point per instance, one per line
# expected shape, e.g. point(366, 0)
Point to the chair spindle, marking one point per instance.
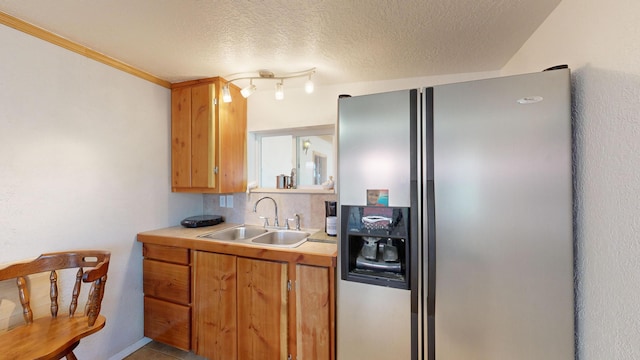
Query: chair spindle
point(95, 299)
point(53, 293)
point(24, 299)
point(76, 292)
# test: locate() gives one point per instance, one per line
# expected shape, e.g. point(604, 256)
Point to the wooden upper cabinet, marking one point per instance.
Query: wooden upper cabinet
point(208, 138)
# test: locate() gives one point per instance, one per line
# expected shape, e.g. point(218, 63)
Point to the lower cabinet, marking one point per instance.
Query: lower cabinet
point(314, 309)
point(167, 295)
point(214, 306)
point(262, 309)
point(245, 308)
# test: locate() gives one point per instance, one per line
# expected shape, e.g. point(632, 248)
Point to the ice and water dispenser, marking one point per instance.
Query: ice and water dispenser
point(375, 245)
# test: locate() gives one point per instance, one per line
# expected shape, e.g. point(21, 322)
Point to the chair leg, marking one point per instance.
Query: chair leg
point(68, 352)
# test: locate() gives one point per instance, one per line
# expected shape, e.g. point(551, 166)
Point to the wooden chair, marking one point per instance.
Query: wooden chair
point(55, 337)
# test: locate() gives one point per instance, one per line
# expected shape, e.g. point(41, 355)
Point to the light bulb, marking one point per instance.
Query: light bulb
point(279, 91)
point(247, 91)
point(226, 94)
point(308, 86)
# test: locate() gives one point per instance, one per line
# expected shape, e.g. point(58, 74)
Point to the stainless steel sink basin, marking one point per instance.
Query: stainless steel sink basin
point(236, 233)
point(284, 238)
point(258, 235)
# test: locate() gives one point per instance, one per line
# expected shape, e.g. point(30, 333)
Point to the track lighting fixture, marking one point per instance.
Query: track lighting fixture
point(266, 75)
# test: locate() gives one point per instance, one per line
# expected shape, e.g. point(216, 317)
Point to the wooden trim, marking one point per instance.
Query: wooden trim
point(292, 334)
point(209, 80)
point(45, 35)
point(332, 311)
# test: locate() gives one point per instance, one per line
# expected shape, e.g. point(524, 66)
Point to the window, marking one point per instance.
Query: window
point(308, 150)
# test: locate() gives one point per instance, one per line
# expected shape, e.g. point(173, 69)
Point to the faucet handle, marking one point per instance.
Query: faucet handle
point(266, 220)
point(286, 223)
point(297, 218)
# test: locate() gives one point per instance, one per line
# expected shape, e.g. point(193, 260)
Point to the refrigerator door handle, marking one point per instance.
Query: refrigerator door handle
point(429, 228)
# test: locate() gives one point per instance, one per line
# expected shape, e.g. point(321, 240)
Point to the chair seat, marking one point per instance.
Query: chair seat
point(46, 338)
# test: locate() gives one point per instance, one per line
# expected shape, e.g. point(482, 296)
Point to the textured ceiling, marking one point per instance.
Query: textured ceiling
point(346, 40)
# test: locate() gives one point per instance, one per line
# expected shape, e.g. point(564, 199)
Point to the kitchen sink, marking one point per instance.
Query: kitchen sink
point(258, 235)
point(236, 233)
point(285, 238)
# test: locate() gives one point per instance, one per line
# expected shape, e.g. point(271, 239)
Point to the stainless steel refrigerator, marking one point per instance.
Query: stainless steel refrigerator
point(468, 254)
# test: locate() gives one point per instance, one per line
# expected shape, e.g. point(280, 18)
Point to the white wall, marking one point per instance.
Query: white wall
point(84, 163)
point(600, 41)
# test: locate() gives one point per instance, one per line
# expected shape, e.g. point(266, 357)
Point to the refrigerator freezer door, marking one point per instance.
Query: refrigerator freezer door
point(503, 205)
point(375, 152)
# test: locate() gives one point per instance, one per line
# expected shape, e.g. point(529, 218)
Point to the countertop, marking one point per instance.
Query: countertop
point(320, 250)
point(322, 236)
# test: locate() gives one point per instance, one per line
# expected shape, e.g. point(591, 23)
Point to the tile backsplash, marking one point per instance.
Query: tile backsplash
point(310, 207)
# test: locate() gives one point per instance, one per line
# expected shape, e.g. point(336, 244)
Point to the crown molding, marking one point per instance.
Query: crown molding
point(45, 35)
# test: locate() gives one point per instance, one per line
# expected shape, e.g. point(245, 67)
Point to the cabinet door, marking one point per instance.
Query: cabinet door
point(214, 306)
point(181, 137)
point(232, 143)
point(314, 312)
point(262, 309)
point(203, 136)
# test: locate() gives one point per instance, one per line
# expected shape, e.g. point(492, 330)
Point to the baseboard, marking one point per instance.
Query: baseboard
point(131, 349)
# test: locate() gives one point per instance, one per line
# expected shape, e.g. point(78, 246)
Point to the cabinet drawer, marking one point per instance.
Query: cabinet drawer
point(166, 281)
point(166, 253)
point(167, 322)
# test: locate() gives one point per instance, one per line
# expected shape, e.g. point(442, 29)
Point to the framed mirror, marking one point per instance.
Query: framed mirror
point(310, 151)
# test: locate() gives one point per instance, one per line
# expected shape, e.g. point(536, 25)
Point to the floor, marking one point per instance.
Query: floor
point(158, 351)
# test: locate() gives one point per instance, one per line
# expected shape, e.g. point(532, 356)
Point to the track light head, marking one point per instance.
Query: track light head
point(247, 91)
point(226, 94)
point(308, 86)
point(279, 90)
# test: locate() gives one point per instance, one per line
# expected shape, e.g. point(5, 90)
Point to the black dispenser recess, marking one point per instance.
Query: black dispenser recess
point(375, 245)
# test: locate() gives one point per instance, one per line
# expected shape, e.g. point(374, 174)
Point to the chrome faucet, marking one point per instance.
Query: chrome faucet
point(255, 209)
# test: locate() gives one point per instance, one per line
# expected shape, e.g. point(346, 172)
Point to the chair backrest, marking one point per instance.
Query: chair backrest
point(92, 267)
